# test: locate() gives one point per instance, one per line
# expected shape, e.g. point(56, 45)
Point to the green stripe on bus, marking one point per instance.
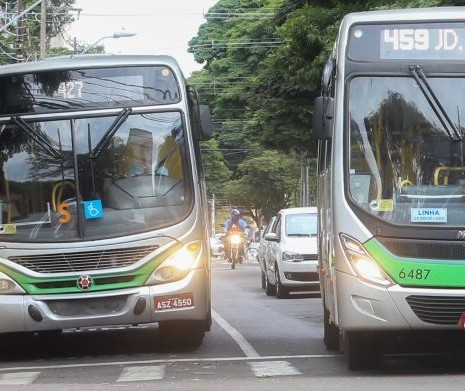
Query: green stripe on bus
point(63, 285)
point(418, 272)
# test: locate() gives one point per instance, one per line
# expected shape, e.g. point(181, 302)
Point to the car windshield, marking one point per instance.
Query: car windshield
point(302, 224)
point(404, 165)
point(60, 182)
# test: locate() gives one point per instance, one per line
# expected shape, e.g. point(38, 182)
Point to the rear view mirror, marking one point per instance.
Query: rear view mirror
point(205, 123)
point(323, 114)
point(271, 237)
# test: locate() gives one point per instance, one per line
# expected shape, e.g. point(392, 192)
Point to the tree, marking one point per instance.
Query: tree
point(267, 183)
point(24, 35)
point(216, 172)
point(262, 94)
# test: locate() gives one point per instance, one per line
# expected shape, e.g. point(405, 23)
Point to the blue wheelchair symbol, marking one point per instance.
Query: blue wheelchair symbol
point(93, 209)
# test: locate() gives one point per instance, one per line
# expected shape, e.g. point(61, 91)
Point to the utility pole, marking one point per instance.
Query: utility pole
point(304, 180)
point(213, 214)
point(19, 32)
point(43, 29)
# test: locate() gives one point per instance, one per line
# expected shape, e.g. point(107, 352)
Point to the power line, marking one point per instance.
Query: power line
point(239, 45)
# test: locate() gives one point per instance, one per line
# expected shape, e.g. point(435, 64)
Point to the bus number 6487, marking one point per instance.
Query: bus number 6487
point(414, 274)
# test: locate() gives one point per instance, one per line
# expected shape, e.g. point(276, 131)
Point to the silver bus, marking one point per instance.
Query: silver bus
point(390, 124)
point(102, 197)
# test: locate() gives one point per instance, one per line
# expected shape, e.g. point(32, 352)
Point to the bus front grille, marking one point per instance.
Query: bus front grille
point(82, 261)
point(428, 249)
point(88, 307)
point(439, 310)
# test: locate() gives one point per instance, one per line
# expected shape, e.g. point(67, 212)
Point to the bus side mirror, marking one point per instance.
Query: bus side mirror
point(323, 114)
point(205, 123)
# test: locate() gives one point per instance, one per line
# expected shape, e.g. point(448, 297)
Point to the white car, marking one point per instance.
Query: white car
point(262, 250)
point(292, 257)
point(216, 245)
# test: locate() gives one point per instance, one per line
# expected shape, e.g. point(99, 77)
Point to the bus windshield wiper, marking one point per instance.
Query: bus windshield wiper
point(435, 103)
point(122, 117)
point(36, 136)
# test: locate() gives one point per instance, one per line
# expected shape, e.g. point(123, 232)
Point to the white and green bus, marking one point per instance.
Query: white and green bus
point(390, 124)
point(102, 197)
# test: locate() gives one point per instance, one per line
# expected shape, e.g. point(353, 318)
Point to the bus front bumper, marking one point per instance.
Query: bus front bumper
point(364, 306)
point(186, 299)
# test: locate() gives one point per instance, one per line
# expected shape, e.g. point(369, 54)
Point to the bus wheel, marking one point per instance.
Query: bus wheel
point(263, 281)
point(282, 292)
point(331, 333)
point(182, 333)
point(362, 350)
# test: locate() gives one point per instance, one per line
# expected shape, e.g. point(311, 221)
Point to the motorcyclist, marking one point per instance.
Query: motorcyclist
point(235, 223)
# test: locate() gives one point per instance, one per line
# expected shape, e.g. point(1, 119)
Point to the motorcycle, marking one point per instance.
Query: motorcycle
point(234, 250)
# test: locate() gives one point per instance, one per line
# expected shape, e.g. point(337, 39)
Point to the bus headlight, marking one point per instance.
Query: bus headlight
point(177, 265)
point(9, 286)
point(292, 257)
point(363, 264)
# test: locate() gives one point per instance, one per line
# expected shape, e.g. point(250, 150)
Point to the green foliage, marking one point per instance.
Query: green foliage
point(21, 41)
point(262, 94)
point(54, 52)
point(267, 183)
point(216, 172)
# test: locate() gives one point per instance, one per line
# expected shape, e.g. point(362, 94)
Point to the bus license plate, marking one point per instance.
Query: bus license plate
point(174, 302)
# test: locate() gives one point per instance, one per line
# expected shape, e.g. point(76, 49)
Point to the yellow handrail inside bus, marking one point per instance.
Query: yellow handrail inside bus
point(406, 182)
point(438, 170)
point(56, 198)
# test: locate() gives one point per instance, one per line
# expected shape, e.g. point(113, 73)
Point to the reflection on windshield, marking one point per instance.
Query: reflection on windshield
point(302, 224)
point(136, 181)
point(404, 165)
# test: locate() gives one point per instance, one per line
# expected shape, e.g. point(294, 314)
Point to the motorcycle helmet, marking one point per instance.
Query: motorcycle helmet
point(235, 213)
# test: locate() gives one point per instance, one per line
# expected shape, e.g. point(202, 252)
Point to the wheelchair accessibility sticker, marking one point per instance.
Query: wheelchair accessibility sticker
point(93, 209)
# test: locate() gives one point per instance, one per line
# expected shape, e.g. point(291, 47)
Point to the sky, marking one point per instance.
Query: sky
point(162, 27)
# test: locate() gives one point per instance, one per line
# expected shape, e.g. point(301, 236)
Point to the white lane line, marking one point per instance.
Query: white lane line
point(18, 378)
point(246, 347)
point(273, 368)
point(142, 373)
point(168, 361)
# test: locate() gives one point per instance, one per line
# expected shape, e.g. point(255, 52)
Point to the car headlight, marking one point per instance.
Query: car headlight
point(363, 264)
point(9, 286)
point(292, 257)
point(177, 265)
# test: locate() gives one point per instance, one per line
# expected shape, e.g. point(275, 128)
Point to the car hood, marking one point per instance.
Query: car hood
point(300, 245)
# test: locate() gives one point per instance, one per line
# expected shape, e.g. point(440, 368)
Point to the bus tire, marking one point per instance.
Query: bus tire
point(362, 352)
point(182, 333)
point(263, 281)
point(331, 337)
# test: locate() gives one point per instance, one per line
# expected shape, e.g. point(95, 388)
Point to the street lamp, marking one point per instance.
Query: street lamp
point(120, 34)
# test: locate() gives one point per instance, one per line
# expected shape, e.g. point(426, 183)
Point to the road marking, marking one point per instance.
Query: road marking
point(273, 368)
point(142, 373)
point(18, 378)
point(168, 361)
point(245, 346)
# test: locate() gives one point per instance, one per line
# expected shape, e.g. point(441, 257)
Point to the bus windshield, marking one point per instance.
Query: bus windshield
point(55, 91)
point(404, 165)
point(85, 178)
